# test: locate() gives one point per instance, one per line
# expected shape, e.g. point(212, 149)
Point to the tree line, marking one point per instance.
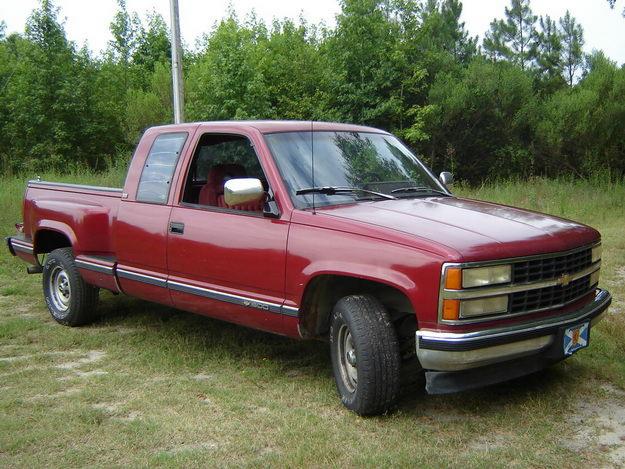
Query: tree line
point(526, 101)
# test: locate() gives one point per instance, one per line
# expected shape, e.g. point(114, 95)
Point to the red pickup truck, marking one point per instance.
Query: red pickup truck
point(334, 232)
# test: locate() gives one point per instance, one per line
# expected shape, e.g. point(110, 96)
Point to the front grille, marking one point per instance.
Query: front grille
point(544, 298)
point(548, 268)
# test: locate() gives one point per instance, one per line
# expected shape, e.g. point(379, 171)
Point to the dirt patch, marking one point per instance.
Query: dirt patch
point(64, 393)
point(202, 377)
point(442, 416)
point(129, 417)
point(613, 390)
point(83, 374)
point(616, 308)
point(110, 408)
point(22, 309)
point(16, 358)
point(601, 424)
point(87, 358)
point(193, 447)
point(92, 357)
point(489, 442)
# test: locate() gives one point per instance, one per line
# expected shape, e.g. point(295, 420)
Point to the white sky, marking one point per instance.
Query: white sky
point(88, 20)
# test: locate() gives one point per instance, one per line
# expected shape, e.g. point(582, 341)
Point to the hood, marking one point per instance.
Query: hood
point(476, 230)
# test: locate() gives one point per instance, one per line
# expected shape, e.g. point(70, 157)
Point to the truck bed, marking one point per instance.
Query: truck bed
point(83, 214)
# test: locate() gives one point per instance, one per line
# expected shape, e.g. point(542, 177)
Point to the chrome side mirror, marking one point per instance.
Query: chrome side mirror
point(446, 178)
point(242, 191)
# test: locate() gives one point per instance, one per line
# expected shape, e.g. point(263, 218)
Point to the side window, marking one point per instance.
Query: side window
point(159, 168)
point(217, 159)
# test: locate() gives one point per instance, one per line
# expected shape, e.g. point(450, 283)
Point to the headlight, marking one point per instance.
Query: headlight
point(484, 306)
point(482, 276)
point(596, 253)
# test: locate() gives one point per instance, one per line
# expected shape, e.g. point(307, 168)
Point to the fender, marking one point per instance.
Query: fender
point(365, 271)
point(57, 226)
point(86, 225)
point(314, 251)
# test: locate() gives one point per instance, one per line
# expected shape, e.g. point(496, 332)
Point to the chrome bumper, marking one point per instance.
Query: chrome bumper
point(19, 244)
point(451, 351)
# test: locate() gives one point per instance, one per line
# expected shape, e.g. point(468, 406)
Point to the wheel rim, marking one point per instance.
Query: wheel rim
point(347, 359)
point(60, 289)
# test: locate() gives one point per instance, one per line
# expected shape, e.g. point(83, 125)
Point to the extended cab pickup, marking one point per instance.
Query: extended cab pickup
point(325, 231)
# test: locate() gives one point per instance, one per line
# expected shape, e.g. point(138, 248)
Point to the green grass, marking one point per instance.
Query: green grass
point(148, 385)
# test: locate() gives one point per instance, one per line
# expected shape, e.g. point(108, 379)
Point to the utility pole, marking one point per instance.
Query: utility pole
point(176, 63)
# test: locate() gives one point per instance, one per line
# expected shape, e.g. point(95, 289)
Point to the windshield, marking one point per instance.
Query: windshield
point(376, 162)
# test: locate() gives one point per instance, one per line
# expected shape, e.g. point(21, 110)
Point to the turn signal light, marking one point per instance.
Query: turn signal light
point(453, 278)
point(451, 310)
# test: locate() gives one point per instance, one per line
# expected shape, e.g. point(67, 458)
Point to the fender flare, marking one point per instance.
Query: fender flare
point(57, 226)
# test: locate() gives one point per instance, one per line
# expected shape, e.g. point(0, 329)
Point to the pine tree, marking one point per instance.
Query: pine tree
point(612, 3)
point(464, 46)
point(549, 54)
point(513, 39)
point(572, 43)
point(441, 22)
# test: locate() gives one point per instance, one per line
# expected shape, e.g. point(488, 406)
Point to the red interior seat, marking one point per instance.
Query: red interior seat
point(212, 193)
point(215, 180)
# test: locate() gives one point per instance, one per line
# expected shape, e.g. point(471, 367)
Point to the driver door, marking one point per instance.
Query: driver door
point(226, 262)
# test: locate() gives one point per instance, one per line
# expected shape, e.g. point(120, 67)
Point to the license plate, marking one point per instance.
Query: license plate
point(575, 338)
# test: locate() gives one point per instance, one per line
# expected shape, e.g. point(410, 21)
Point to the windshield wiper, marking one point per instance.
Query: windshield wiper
point(419, 189)
point(333, 190)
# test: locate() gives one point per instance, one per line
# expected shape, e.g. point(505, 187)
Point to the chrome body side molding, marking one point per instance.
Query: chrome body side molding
point(88, 264)
point(137, 277)
point(183, 287)
point(225, 297)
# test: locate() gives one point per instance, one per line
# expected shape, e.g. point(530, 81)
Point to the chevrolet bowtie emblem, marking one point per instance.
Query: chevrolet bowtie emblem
point(564, 280)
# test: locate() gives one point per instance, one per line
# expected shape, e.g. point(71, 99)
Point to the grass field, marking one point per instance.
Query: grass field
point(148, 385)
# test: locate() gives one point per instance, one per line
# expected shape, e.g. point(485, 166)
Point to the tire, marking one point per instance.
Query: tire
point(70, 300)
point(412, 376)
point(365, 355)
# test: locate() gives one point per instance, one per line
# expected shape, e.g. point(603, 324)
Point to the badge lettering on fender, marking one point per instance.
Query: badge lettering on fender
point(254, 304)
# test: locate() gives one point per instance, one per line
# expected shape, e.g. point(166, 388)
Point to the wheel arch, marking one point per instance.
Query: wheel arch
point(48, 239)
point(324, 290)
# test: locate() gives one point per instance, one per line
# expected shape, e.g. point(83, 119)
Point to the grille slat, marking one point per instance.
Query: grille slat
point(549, 268)
point(550, 296)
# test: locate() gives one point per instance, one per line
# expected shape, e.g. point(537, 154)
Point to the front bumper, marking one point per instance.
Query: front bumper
point(458, 361)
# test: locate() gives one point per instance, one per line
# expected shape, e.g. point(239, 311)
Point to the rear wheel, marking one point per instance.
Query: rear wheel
point(365, 355)
point(70, 300)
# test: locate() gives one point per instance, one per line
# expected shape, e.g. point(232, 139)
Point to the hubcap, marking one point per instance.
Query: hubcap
point(60, 289)
point(347, 359)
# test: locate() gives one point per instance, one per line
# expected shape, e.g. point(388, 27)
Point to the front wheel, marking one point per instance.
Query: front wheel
point(71, 301)
point(365, 355)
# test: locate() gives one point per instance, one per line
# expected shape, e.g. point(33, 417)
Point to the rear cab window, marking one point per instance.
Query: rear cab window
point(159, 167)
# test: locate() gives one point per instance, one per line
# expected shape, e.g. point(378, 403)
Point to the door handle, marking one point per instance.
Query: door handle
point(176, 227)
